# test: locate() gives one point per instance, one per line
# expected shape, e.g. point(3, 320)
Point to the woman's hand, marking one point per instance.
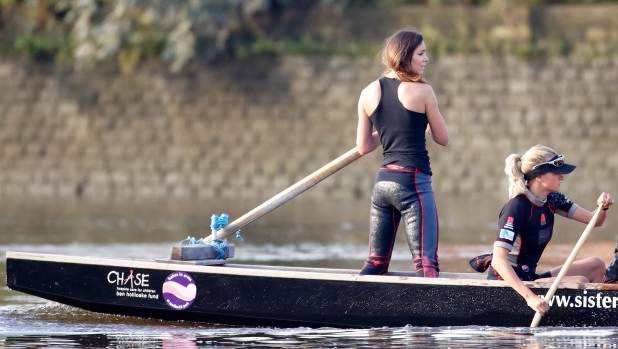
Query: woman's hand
point(605, 200)
point(584, 216)
point(537, 303)
point(500, 263)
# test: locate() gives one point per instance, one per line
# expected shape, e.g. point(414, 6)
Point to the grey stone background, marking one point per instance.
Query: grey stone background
point(250, 128)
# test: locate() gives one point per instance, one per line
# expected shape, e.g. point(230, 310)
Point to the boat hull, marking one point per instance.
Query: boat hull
point(251, 296)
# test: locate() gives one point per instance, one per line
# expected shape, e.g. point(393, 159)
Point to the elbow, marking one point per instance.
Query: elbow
point(362, 150)
point(499, 264)
point(366, 146)
point(443, 141)
point(441, 137)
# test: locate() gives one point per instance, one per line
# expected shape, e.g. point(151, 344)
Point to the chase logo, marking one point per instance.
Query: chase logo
point(507, 234)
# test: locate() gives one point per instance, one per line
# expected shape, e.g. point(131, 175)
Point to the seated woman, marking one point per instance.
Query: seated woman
point(527, 220)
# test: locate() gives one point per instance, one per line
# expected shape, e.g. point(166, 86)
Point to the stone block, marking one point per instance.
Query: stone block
point(519, 86)
point(14, 190)
point(66, 190)
point(68, 108)
point(13, 150)
point(120, 178)
point(151, 191)
point(16, 114)
point(97, 191)
point(99, 178)
point(122, 191)
point(40, 189)
point(6, 70)
point(174, 178)
point(460, 102)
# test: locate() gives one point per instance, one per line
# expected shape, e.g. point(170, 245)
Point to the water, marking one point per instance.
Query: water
point(301, 234)
point(36, 324)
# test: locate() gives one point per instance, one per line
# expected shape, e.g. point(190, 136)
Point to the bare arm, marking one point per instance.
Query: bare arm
point(584, 216)
point(439, 132)
point(366, 140)
point(500, 263)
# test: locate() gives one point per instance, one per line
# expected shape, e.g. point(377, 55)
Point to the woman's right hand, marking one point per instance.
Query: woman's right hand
point(605, 200)
point(538, 304)
point(500, 264)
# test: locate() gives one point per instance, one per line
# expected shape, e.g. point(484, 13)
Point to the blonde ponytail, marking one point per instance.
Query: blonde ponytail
point(512, 168)
point(517, 165)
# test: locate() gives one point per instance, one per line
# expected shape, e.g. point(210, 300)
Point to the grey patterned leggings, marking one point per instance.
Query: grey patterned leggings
point(416, 204)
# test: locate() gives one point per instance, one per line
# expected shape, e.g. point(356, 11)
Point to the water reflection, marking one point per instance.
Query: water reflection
point(52, 325)
point(405, 337)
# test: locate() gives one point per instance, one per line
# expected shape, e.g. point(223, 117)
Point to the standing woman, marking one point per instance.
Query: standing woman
point(401, 105)
point(527, 220)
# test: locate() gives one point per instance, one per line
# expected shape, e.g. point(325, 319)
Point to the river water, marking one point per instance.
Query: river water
point(301, 233)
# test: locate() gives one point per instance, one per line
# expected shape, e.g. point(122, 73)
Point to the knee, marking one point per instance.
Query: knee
point(597, 264)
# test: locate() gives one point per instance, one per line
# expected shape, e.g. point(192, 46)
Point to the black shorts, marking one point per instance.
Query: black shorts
point(529, 275)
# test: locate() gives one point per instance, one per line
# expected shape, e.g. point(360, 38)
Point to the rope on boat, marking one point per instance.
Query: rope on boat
point(192, 241)
point(221, 222)
point(238, 235)
point(217, 223)
point(219, 245)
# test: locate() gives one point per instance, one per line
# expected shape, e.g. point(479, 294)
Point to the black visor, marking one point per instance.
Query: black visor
point(553, 165)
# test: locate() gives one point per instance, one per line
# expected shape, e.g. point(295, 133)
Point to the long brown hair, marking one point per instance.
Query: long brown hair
point(397, 55)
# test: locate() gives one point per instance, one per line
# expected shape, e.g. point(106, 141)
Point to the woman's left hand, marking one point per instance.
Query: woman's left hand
point(605, 200)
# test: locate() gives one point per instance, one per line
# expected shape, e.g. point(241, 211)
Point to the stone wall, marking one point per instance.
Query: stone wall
point(249, 128)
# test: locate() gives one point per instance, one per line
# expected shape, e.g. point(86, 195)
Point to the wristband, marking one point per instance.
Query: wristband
point(605, 208)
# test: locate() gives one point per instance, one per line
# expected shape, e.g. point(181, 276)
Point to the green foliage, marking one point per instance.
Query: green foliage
point(305, 46)
point(140, 46)
point(44, 48)
point(387, 2)
point(471, 2)
point(87, 31)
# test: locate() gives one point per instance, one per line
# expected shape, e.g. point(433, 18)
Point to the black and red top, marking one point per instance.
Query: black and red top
point(526, 225)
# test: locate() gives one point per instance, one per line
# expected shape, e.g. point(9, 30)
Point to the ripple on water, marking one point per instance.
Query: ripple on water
point(587, 332)
point(168, 336)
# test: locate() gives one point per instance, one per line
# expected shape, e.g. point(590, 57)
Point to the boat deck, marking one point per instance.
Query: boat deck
point(475, 276)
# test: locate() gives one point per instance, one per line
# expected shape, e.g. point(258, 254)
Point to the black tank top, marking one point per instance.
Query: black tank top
point(402, 131)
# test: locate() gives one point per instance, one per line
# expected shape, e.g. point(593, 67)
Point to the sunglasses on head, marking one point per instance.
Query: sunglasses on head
point(557, 161)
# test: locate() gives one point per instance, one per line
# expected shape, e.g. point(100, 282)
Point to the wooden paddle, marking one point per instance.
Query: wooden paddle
point(567, 264)
point(288, 194)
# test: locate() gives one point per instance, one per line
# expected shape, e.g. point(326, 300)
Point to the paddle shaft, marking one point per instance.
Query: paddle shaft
point(288, 194)
point(567, 264)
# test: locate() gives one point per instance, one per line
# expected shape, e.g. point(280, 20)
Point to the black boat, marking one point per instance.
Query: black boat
point(289, 297)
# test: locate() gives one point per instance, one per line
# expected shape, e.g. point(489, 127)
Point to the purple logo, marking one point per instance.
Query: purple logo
point(179, 290)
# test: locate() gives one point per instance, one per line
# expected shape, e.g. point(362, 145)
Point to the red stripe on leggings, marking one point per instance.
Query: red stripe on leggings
point(420, 199)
